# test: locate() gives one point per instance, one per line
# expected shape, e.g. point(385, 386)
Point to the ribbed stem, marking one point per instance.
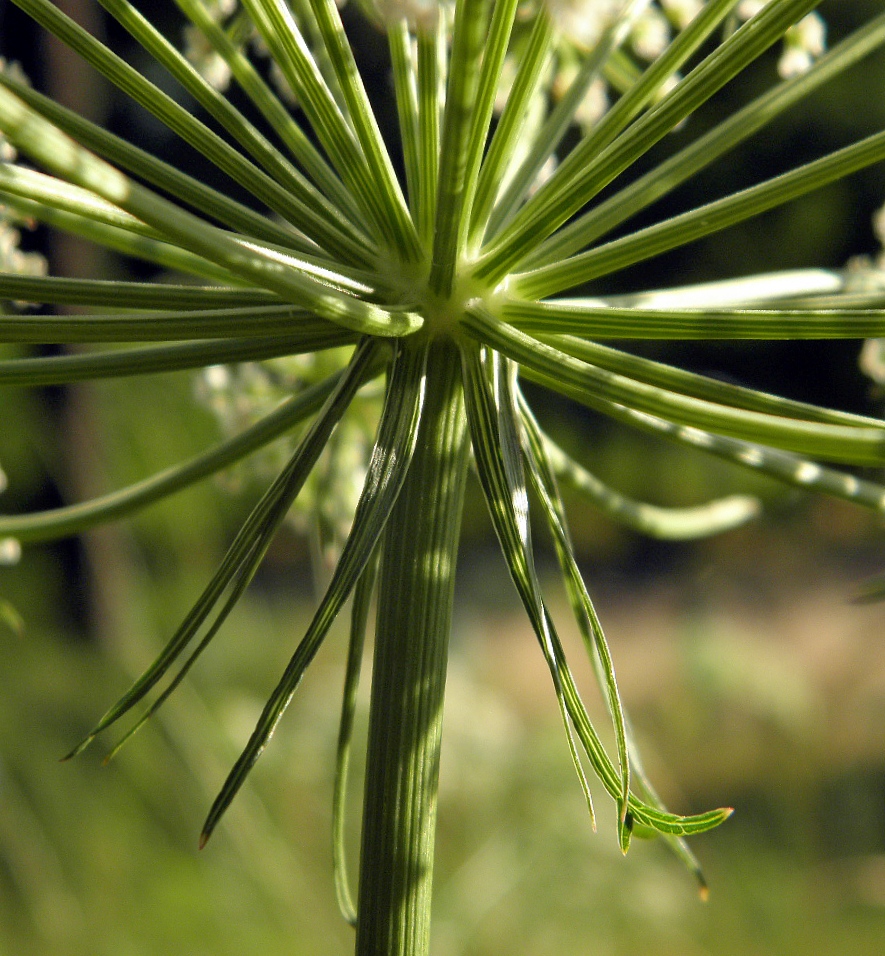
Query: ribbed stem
point(408, 678)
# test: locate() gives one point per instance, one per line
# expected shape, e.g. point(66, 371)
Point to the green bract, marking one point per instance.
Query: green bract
point(442, 291)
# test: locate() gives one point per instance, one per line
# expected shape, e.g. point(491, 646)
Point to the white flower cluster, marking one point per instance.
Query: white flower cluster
point(10, 549)
point(210, 64)
point(419, 14)
point(803, 44)
point(868, 276)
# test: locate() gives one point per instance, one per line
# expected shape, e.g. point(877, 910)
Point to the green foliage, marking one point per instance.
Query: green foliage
point(446, 285)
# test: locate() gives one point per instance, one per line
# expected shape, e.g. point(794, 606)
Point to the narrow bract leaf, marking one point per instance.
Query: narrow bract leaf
point(74, 519)
point(546, 489)
point(499, 464)
point(359, 617)
point(671, 524)
point(248, 547)
point(59, 370)
point(394, 445)
point(598, 388)
point(186, 189)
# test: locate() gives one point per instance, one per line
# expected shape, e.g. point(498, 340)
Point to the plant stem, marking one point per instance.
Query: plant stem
point(408, 680)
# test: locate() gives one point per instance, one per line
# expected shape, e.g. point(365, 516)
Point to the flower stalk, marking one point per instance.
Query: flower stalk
point(409, 674)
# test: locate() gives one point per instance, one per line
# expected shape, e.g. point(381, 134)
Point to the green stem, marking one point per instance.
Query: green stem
point(408, 682)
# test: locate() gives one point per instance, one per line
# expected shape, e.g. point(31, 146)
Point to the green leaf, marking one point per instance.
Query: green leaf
point(599, 389)
point(317, 217)
point(494, 432)
point(544, 483)
point(359, 617)
point(703, 221)
point(73, 519)
point(703, 387)
point(561, 118)
point(395, 443)
point(60, 370)
point(511, 123)
point(674, 524)
point(464, 130)
point(665, 176)
point(594, 319)
point(263, 266)
point(188, 190)
point(380, 168)
point(585, 172)
point(246, 551)
point(183, 324)
point(268, 103)
point(288, 200)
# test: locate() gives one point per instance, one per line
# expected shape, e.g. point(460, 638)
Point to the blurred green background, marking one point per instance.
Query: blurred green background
point(751, 679)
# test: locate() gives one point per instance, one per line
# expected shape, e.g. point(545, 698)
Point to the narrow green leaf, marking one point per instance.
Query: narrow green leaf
point(188, 190)
point(544, 483)
point(232, 323)
point(596, 320)
point(35, 136)
point(672, 524)
point(497, 43)
point(459, 118)
point(248, 547)
point(277, 115)
point(278, 28)
point(703, 387)
point(359, 617)
point(790, 469)
point(380, 168)
point(431, 96)
point(395, 443)
point(551, 134)
point(703, 221)
point(568, 191)
point(511, 123)
point(126, 241)
point(405, 85)
point(63, 369)
point(598, 388)
point(74, 519)
point(737, 128)
point(276, 196)
point(499, 465)
point(316, 216)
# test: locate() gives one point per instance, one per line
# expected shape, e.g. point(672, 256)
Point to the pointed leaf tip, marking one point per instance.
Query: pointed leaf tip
point(625, 827)
point(204, 839)
point(78, 749)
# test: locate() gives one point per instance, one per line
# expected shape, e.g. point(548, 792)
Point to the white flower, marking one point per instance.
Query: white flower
point(583, 21)
point(803, 44)
point(10, 549)
point(422, 14)
point(210, 64)
point(651, 34)
point(682, 12)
